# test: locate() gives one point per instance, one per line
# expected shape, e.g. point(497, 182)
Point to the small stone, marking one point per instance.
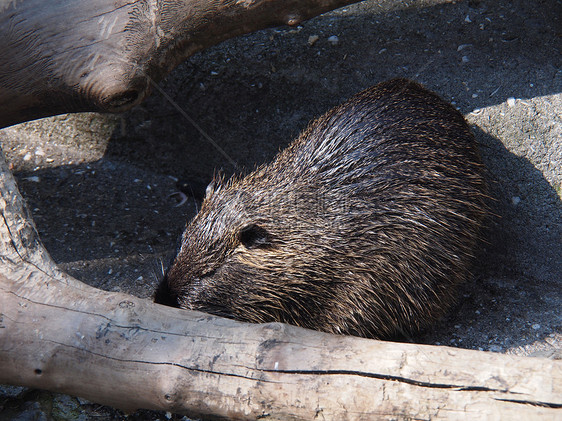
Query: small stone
point(536, 326)
point(463, 46)
point(515, 200)
point(11, 391)
point(465, 59)
point(511, 101)
point(312, 39)
point(495, 348)
point(334, 40)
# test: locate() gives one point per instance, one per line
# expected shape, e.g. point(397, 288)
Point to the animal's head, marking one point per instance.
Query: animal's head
point(255, 256)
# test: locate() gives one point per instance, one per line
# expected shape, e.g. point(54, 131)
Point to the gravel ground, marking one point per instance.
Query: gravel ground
point(99, 185)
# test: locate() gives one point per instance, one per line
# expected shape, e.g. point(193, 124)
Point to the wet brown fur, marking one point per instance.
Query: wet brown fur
point(364, 225)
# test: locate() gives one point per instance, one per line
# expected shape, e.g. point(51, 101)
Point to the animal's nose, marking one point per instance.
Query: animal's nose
point(164, 294)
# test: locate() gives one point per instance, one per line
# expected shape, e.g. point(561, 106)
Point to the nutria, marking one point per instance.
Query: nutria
point(364, 225)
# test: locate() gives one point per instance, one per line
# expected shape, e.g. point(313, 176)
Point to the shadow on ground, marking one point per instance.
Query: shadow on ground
point(254, 94)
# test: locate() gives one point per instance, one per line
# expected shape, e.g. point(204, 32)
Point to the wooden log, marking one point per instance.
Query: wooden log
point(59, 334)
point(62, 56)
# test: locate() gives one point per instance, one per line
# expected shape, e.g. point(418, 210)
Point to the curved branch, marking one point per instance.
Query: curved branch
point(101, 55)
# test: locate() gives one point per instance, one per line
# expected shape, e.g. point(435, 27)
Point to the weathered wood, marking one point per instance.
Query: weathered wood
point(59, 334)
point(102, 55)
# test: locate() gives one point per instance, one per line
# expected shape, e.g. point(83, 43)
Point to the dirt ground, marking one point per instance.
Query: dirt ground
point(100, 185)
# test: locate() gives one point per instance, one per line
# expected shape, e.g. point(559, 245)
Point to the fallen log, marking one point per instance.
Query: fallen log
point(59, 334)
point(60, 56)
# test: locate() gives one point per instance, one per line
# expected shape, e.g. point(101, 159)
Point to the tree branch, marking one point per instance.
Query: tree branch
point(101, 55)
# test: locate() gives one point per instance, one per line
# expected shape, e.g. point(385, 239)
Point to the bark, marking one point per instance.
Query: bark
point(62, 56)
point(59, 334)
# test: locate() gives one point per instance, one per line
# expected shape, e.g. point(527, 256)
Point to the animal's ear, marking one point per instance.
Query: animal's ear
point(253, 237)
point(211, 188)
point(215, 185)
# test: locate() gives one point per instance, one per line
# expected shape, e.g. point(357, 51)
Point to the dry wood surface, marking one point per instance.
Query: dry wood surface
point(61, 56)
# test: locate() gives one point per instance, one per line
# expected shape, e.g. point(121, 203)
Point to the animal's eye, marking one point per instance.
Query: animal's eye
point(253, 236)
